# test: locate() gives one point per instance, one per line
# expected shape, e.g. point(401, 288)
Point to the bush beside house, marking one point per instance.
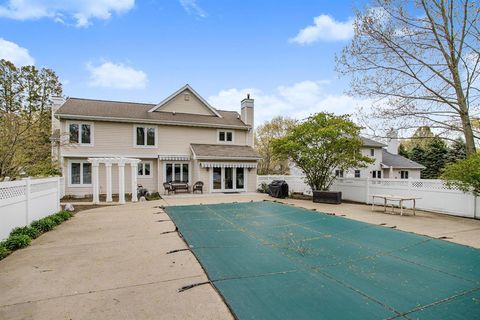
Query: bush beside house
point(22, 236)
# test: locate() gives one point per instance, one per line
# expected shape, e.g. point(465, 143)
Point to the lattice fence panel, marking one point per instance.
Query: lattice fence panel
point(12, 192)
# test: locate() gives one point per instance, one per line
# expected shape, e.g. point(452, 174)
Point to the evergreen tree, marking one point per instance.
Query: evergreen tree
point(457, 151)
point(435, 159)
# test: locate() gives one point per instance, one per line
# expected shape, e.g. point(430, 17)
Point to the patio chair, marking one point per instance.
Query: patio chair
point(198, 186)
point(168, 187)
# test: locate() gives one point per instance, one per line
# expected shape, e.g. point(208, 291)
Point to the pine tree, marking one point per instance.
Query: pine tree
point(457, 151)
point(435, 158)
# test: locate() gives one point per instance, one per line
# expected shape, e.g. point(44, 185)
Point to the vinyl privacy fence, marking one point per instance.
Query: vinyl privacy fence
point(433, 194)
point(24, 201)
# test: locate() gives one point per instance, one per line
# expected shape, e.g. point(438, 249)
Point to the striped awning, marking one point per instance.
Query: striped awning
point(174, 157)
point(228, 164)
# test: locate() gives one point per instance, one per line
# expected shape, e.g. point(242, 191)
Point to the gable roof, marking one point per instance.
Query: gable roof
point(398, 161)
point(117, 111)
point(371, 143)
point(159, 106)
point(221, 151)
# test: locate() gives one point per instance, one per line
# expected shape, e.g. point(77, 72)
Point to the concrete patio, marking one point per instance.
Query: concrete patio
point(112, 262)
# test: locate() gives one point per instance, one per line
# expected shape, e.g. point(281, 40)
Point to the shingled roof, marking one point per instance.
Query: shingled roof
point(398, 161)
point(76, 108)
point(221, 151)
point(371, 143)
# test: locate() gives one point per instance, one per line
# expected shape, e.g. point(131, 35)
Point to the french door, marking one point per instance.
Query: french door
point(228, 179)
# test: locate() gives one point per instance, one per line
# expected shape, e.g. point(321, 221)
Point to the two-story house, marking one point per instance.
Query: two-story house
point(183, 138)
point(387, 164)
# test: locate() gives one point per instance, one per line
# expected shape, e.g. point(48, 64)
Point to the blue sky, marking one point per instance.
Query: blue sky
point(144, 50)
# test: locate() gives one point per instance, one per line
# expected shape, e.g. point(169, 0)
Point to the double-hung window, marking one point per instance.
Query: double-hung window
point(225, 136)
point(80, 173)
point(80, 133)
point(145, 136)
point(357, 173)
point(176, 172)
point(144, 169)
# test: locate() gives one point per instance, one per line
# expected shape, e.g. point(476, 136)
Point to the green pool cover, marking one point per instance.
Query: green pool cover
point(275, 261)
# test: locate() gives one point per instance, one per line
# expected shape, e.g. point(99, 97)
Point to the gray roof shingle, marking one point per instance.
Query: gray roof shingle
point(398, 161)
point(130, 111)
point(222, 151)
point(371, 143)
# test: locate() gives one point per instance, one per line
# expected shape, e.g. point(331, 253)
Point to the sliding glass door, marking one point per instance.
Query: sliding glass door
point(228, 179)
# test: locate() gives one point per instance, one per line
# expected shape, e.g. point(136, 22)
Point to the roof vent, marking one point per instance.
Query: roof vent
point(248, 95)
point(186, 97)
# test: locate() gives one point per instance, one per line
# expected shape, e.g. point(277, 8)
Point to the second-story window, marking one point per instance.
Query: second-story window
point(80, 133)
point(145, 136)
point(225, 136)
point(372, 152)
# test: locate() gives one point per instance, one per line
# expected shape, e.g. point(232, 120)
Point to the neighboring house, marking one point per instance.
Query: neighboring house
point(388, 163)
point(183, 138)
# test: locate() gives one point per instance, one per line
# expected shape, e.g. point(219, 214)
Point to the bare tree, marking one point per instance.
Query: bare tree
point(421, 61)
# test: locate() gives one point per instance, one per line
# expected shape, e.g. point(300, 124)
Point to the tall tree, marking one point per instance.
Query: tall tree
point(422, 59)
point(25, 119)
point(457, 151)
point(264, 136)
point(435, 158)
point(319, 145)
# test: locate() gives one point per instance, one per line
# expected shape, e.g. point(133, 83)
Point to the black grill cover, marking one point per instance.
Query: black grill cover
point(278, 189)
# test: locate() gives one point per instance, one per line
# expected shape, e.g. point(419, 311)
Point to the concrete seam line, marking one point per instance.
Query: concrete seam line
point(101, 290)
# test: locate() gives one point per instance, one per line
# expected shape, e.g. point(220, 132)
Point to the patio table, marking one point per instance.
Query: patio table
point(391, 198)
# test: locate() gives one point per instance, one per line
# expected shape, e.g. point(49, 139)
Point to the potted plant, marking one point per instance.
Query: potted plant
point(321, 144)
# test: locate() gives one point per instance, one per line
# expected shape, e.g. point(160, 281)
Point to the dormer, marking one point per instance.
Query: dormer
point(186, 100)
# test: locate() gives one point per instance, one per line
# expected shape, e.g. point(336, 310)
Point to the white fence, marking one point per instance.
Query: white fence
point(433, 194)
point(26, 200)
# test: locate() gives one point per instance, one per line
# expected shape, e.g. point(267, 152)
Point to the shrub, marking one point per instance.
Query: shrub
point(17, 241)
point(56, 218)
point(153, 196)
point(28, 231)
point(65, 215)
point(43, 225)
point(263, 188)
point(3, 251)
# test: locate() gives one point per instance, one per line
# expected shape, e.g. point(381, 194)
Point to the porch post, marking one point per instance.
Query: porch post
point(96, 189)
point(121, 183)
point(108, 167)
point(134, 166)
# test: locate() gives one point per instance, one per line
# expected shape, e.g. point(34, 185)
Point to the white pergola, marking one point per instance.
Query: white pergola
point(108, 162)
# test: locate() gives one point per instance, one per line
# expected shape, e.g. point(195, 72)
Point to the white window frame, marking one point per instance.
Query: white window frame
point(142, 176)
point(222, 182)
point(225, 131)
point(372, 150)
point(145, 126)
point(402, 172)
point(79, 123)
point(81, 184)
point(355, 173)
point(181, 163)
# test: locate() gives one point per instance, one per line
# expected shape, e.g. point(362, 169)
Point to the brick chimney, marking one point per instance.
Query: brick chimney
point(247, 116)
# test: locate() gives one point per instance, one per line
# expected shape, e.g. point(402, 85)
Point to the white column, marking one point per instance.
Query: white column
point(108, 167)
point(121, 183)
point(96, 187)
point(133, 166)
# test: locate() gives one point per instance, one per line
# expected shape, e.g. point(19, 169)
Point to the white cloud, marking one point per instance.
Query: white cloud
point(297, 101)
point(118, 76)
point(14, 53)
point(192, 7)
point(81, 11)
point(325, 28)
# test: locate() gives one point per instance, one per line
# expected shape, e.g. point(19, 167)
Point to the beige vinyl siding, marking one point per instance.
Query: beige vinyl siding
point(117, 139)
point(180, 105)
point(147, 182)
